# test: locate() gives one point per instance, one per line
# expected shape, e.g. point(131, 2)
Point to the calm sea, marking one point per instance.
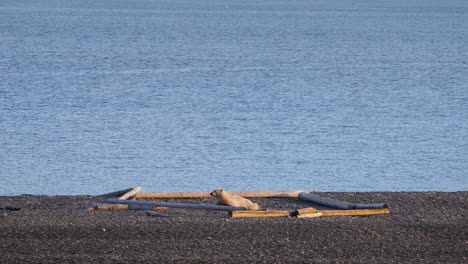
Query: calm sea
point(180, 95)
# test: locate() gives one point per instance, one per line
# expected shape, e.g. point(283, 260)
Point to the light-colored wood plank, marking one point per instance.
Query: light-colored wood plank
point(309, 215)
point(354, 212)
point(308, 210)
point(256, 214)
point(131, 193)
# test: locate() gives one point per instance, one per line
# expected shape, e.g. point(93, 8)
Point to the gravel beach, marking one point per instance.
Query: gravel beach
point(422, 227)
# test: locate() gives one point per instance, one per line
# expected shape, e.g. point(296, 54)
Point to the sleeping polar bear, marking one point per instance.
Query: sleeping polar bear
point(225, 198)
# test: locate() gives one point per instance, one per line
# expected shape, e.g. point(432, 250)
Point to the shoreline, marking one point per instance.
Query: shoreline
point(422, 227)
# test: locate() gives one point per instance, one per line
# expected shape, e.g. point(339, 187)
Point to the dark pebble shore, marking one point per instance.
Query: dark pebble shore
point(422, 227)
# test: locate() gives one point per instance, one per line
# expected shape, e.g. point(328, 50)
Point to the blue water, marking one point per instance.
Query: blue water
point(179, 95)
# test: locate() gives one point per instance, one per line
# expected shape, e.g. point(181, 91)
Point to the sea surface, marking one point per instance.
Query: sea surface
point(192, 95)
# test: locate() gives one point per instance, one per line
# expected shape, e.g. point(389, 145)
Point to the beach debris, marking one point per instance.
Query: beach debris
point(257, 214)
point(116, 193)
point(310, 215)
point(354, 212)
point(337, 204)
point(107, 206)
point(8, 208)
point(301, 213)
point(308, 210)
point(236, 210)
point(12, 208)
point(192, 195)
point(148, 205)
point(130, 193)
point(155, 214)
point(123, 196)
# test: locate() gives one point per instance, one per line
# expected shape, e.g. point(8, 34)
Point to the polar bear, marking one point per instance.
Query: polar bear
point(225, 198)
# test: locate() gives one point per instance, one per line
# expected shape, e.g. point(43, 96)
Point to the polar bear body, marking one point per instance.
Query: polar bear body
point(225, 198)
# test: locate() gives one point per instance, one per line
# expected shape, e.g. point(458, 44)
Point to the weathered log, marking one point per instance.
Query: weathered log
point(116, 193)
point(310, 215)
point(131, 193)
point(12, 208)
point(370, 206)
point(152, 213)
point(337, 204)
point(107, 206)
point(324, 201)
point(355, 212)
point(172, 195)
point(308, 210)
point(268, 194)
point(147, 205)
point(191, 195)
point(251, 214)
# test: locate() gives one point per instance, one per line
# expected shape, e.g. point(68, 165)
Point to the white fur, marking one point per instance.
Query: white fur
point(225, 198)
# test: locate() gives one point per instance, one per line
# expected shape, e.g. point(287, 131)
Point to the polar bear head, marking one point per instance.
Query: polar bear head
point(216, 192)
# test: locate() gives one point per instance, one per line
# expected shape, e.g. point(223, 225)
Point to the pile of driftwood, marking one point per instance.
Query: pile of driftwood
point(344, 208)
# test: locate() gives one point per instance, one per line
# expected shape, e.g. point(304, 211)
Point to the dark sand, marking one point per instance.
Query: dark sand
point(423, 227)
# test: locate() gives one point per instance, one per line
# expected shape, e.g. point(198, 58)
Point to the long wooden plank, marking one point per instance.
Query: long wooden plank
point(251, 214)
point(245, 194)
point(310, 215)
point(308, 210)
point(147, 205)
point(131, 193)
point(354, 212)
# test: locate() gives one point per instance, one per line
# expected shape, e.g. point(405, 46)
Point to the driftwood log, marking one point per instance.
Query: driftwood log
point(106, 206)
point(153, 213)
point(131, 193)
point(310, 215)
point(251, 214)
point(306, 213)
point(191, 195)
point(355, 212)
point(308, 210)
point(148, 205)
point(337, 204)
point(116, 193)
